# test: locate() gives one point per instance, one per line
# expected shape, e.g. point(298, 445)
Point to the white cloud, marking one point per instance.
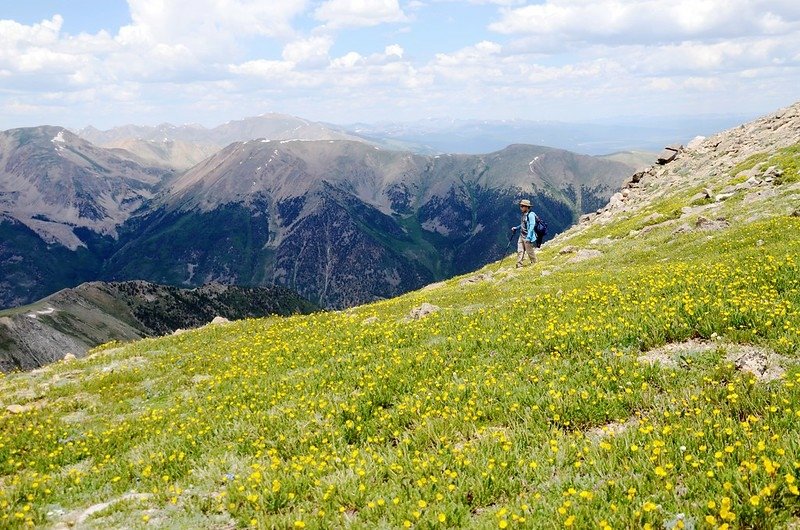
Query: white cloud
point(394, 50)
point(480, 63)
point(45, 32)
point(263, 68)
point(310, 51)
point(492, 2)
point(228, 56)
point(359, 13)
point(349, 60)
point(647, 21)
point(209, 22)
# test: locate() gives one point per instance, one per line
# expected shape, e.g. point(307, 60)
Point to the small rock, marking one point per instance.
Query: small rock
point(475, 279)
point(615, 199)
point(772, 171)
point(695, 142)
point(27, 407)
point(708, 193)
point(626, 192)
point(546, 272)
point(796, 213)
point(369, 320)
point(423, 311)
point(68, 358)
point(764, 365)
point(636, 177)
point(760, 243)
point(569, 249)
point(752, 182)
point(723, 197)
point(220, 320)
point(179, 331)
point(706, 224)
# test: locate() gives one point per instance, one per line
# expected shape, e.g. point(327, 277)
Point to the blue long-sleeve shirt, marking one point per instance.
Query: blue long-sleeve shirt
point(527, 222)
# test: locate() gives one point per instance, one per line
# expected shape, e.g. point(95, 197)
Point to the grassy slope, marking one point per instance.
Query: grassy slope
point(478, 415)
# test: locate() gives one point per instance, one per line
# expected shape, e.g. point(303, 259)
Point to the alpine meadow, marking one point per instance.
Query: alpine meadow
point(642, 374)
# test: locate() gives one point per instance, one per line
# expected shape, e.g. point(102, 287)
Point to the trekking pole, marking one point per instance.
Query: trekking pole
point(505, 252)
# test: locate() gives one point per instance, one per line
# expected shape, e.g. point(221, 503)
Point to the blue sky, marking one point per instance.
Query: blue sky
point(111, 62)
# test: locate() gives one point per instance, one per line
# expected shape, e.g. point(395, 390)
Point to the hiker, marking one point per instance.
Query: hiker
point(527, 237)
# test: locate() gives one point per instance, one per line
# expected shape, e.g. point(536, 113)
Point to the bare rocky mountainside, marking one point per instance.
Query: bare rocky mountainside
point(341, 222)
point(746, 160)
point(61, 202)
point(181, 147)
point(74, 320)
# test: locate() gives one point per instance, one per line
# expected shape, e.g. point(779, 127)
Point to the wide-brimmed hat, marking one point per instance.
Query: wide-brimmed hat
point(525, 202)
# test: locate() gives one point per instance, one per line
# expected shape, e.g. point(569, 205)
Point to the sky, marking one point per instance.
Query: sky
point(111, 62)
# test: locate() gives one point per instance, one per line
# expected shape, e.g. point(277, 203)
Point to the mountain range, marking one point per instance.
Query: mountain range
point(341, 222)
point(183, 146)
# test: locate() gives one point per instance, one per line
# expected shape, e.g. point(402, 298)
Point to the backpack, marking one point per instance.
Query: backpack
point(540, 229)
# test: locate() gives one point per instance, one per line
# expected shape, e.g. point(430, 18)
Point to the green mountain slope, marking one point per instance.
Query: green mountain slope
point(644, 374)
point(75, 320)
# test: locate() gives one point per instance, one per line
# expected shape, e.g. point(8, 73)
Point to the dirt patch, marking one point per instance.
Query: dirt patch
point(132, 362)
point(81, 517)
point(79, 416)
point(763, 363)
point(614, 428)
point(584, 254)
point(669, 355)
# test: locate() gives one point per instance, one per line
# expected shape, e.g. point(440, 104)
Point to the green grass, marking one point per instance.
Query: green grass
point(484, 414)
point(788, 159)
point(748, 164)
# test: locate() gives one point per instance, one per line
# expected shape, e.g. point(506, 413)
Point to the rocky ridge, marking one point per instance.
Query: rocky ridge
point(719, 167)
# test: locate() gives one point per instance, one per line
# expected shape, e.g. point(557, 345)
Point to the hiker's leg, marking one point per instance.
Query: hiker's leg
point(529, 248)
point(520, 251)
